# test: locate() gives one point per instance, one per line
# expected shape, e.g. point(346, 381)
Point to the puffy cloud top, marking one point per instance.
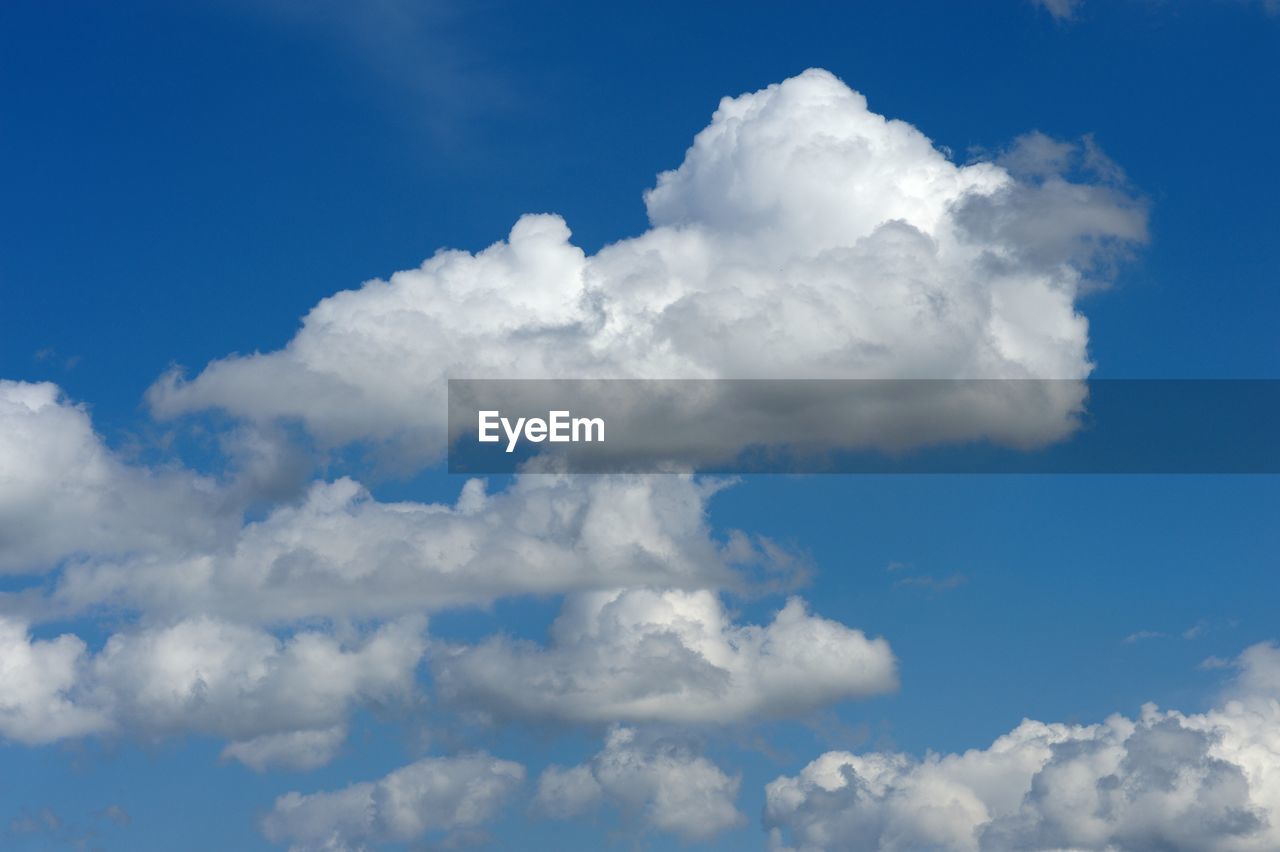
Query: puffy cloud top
point(807, 165)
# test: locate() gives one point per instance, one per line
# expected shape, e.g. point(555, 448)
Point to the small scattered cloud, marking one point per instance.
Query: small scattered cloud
point(928, 582)
point(45, 828)
point(1196, 631)
point(116, 814)
point(1144, 635)
point(42, 821)
point(1067, 10)
point(1060, 10)
point(934, 584)
point(49, 355)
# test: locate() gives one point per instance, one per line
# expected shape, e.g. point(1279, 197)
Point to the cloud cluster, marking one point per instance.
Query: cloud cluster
point(803, 236)
point(640, 655)
point(655, 644)
point(1208, 782)
point(435, 794)
point(1060, 10)
point(280, 702)
point(663, 782)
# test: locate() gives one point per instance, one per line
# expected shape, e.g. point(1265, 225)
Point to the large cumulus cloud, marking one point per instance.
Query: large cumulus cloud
point(803, 236)
point(1163, 781)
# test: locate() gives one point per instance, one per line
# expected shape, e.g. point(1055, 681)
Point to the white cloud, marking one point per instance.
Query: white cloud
point(340, 553)
point(241, 682)
point(279, 701)
point(1164, 781)
point(663, 781)
point(643, 655)
point(36, 679)
point(290, 750)
point(169, 545)
point(802, 236)
point(434, 794)
point(63, 492)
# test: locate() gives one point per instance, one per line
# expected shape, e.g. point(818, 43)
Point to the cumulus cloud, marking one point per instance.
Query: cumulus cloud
point(341, 553)
point(663, 781)
point(280, 702)
point(646, 655)
point(803, 236)
point(63, 492)
point(435, 794)
point(1164, 780)
point(36, 679)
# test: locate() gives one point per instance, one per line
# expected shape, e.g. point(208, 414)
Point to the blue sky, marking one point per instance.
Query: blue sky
point(183, 183)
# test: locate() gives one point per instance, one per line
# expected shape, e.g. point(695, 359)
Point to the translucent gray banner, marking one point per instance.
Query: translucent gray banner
point(864, 426)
